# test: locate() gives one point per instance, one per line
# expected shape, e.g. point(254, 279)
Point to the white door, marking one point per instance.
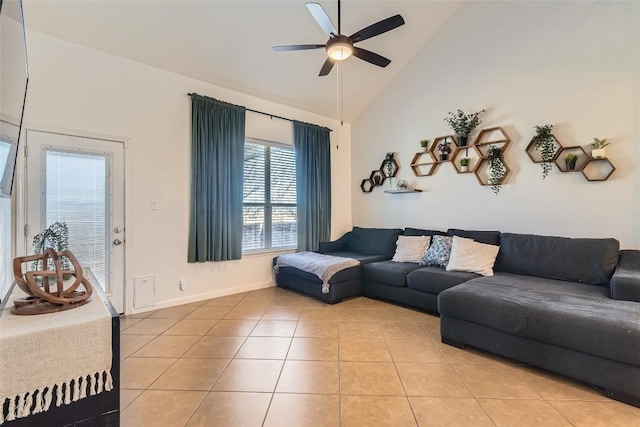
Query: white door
point(80, 181)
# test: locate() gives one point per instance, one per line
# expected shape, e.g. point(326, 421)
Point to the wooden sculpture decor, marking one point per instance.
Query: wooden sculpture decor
point(44, 298)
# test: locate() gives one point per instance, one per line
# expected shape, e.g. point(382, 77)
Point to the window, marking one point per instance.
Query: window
point(269, 212)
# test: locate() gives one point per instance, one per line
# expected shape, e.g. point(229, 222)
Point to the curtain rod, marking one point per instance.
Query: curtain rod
point(267, 114)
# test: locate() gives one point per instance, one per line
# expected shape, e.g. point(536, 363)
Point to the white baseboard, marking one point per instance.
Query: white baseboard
point(199, 297)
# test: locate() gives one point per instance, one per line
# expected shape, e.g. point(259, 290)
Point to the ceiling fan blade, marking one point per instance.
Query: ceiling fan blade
point(326, 68)
point(297, 47)
point(377, 28)
point(371, 57)
point(322, 18)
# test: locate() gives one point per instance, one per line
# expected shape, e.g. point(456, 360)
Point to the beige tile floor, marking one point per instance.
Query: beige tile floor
point(275, 358)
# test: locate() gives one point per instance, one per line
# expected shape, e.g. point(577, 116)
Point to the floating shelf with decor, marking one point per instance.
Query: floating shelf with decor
point(406, 190)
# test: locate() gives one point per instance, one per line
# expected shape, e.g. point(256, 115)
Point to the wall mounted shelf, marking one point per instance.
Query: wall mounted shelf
point(534, 153)
point(599, 169)
point(487, 138)
point(583, 158)
point(408, 190)
point(367, 185)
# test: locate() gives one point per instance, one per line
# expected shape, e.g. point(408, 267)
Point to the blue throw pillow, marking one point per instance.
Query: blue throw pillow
point(439, 252)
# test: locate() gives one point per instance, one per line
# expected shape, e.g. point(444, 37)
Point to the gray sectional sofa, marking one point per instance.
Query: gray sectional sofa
point(571, 306)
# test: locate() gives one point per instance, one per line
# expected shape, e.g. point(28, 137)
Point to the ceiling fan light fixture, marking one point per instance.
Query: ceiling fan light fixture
point(339, 48)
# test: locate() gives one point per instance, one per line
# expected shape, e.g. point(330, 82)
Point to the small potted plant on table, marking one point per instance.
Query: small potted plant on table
point(444, 150)
point(463, 124)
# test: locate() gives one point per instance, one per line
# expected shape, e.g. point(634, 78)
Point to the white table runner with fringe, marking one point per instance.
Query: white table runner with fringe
point(69, 350)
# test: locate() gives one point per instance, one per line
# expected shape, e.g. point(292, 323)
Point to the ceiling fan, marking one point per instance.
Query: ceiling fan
point(339, 46)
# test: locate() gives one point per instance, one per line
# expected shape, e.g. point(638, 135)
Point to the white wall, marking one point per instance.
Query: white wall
point(6, 275)
point(572, 64)
point(89, 92)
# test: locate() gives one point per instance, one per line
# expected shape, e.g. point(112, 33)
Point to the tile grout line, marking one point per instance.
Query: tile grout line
point(275, 386)
point(395, 366)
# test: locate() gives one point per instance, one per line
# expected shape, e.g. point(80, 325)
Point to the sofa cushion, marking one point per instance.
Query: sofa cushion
point(566, 314)
point(435, 280)
point(488, 237)
point(421, 232)
point(373, 241)
point(388, 272)
point(350, 273)
point(591, 261)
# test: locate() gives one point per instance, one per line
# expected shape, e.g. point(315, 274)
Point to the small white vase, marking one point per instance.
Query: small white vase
point(464, 168)
point(598, 153)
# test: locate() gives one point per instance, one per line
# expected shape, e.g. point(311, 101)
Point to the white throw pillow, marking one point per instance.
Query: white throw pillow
point(411, 248)
point(469, 255)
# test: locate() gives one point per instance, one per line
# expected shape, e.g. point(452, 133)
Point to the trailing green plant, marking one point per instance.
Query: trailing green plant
point(543, 141)
point(56, 236)
point(464, 161)
point(496, 167)
point(425, 143)
point(599, 144)
point(463, 124)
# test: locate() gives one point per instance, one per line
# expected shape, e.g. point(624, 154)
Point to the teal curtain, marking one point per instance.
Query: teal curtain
point(313, 178)
point(217, 168)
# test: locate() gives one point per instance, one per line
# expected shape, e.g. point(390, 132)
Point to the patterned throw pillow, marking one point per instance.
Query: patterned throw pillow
point(411, 248)
point(438, 253)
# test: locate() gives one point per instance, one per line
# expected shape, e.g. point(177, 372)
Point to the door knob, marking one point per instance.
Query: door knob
point(117, 242)
point(117, 230)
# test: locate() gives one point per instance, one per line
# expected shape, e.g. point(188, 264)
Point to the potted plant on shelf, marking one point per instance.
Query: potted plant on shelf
point(444, 150)
point(402, 184)
point(496, 167)
point(463, 124)
point(464, 164)
point(425, 143)
point(543, 141)
point(570, 161)
point(598, 151)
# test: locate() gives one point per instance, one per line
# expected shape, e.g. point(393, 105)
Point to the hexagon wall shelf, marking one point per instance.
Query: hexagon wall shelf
point(423, 164)
point(468, 152)
point(599, 169)
point(385, 172)
point(367, 185)
point(488, 137)
point(482, 175)
point(381, 178)
point(434, 148)
point(583, 158)
point(534, 154)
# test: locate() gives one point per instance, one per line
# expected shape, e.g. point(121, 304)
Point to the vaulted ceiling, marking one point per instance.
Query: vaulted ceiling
point(228, 43)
